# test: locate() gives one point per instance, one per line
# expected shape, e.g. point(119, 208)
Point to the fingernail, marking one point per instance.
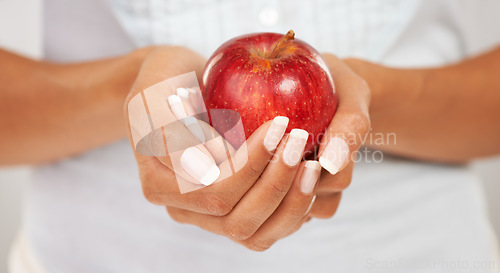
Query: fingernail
point(275, 133)
point(195, 128)
point(310, 176)
point(334, 155)
point(294, 147)
point(201, 167)
point(183, 93)
point(176, 106)
point(192, 90)
point(310, 205)
point(196, 100)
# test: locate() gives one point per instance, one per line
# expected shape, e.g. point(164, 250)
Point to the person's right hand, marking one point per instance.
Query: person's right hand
point(266, 200)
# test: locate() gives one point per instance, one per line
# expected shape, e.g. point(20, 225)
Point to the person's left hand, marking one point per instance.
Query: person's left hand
point(342, 139)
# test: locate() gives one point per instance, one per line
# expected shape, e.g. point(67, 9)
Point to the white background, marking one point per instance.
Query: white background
point(21, 31)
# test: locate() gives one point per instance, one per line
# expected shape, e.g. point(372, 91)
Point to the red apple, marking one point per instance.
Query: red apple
point(265, 75)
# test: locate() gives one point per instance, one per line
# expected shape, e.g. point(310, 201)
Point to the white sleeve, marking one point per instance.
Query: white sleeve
point(479, 23)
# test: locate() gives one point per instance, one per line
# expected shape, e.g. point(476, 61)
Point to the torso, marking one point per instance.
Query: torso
point(87, 214)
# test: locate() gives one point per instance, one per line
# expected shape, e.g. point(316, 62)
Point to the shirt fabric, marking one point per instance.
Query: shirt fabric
point(88, 214)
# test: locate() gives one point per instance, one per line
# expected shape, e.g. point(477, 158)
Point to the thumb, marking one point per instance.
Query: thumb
point(351, 123)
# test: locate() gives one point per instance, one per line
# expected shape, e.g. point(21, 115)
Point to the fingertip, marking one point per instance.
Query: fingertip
point(309, 176)
point(294, 148)
point(199, 164)
point(211, 176)
point(275, 132)
point(173, 99)
point(334, 155)
point(328, 165)
point(183, 93)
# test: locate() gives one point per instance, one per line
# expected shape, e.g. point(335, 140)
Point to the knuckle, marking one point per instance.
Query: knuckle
point(258, 245)
point(363, 86)
point(364, 122)
point(239, 229)
point(357, 121)
point(360, 85)
point(360, 121)
point(296, 212)
point(279, 188)
point(253, 170)
point(216, 204)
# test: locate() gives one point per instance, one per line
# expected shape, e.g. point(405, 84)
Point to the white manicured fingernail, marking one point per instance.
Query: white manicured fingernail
point(334, 155)
point(197, 100)
point(176, 106)
point(200, 166)
point(310, 176)
point(194, 127)
point(192, 90)
point(275, 133)
point(183, 93)
point(294, 147)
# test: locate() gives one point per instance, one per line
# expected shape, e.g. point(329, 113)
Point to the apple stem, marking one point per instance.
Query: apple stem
point(290, 35)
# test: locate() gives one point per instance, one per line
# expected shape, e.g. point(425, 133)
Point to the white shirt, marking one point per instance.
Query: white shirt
point(87, 214)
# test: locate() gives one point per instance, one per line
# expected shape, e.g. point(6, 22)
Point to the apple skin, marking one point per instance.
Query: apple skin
point(264, 75)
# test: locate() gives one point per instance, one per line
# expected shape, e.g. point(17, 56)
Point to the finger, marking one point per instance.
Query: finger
point(260, 202)
point(219, 149)
point(325, 205)
point(184, 94)
point(221, 197)
point(173, 144)
point(196, 100)
point(194, 163)
point(351, 122)
point(168, 143)
point(262, 199)
point(291, 211)
point(306, 219)
point(335, 183)
point(179, 107)
point(149, 113)
point(250, 161)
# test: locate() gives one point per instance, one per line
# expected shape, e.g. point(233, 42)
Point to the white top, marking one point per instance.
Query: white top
point(87, 214)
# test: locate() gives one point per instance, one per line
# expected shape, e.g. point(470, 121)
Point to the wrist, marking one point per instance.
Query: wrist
point(115, 77)
point(97, 90)
point(101, 79)
point(392, 89)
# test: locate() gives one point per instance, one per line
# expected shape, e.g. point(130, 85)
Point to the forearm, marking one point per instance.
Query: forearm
point(447, 114)
point(50, 111)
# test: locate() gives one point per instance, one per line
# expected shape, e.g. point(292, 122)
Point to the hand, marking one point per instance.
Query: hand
point(265, 200)
point(343, 137)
